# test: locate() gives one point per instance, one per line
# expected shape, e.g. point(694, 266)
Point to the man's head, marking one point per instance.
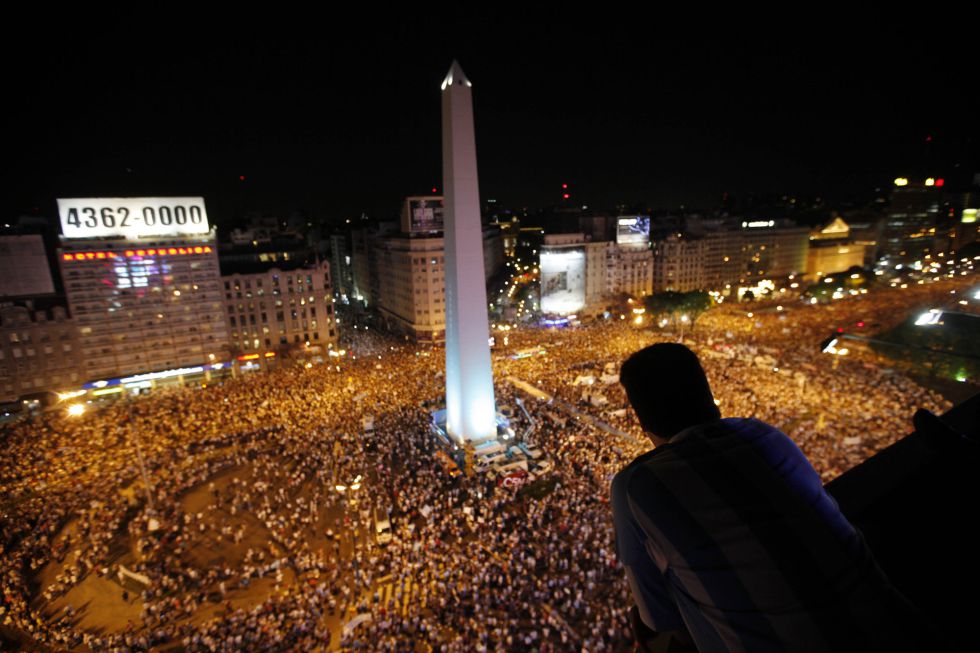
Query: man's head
point(668, 390)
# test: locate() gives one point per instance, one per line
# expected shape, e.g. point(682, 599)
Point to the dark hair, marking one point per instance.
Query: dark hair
point(667, 387)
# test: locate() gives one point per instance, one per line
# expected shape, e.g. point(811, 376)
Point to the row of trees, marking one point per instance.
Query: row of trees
point(678, 308)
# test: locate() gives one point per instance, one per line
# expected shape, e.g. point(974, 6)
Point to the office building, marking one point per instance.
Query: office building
point(915, 223)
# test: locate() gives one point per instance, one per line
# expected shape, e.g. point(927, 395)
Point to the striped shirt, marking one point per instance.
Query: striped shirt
point(727, 531)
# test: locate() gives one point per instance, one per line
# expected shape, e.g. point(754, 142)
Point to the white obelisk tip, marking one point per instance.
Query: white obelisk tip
point(455, 76)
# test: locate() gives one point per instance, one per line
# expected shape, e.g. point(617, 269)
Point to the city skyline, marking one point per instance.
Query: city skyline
point(237, 416)
point(337, 128)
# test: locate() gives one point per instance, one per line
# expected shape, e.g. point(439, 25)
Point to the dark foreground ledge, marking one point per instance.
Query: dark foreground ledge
point(916, 503)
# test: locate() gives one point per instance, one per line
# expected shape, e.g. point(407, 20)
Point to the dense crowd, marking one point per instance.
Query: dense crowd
point(257, 530)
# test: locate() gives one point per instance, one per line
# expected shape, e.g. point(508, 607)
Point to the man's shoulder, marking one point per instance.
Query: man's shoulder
point(621, 480)
point(627, 471)
point(736, 429)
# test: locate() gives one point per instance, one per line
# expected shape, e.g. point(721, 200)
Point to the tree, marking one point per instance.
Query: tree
point(694, 303)
point(675, 305)
point(663, 304)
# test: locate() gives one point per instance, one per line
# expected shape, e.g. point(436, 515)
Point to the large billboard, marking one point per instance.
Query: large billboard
point(132, 217)
point(633, 230)
point(422, 214)
point(562, 281)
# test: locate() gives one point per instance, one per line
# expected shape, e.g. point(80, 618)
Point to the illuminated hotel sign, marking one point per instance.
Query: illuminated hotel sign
point(759, 223)
point(135, 253)
point(132, 217)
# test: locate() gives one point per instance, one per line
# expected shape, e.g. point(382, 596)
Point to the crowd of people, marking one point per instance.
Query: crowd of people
point(256, 530)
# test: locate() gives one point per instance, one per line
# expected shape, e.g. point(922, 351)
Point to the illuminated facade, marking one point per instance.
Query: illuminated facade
point(578, 275)
point(144, 306)
point(914, 224)
point(629, 270)
point(279, 309)
point(968, 229)
point(679, 263)
point(142, 302)
point(470, 406)
point(412, 286)
point(728, 253)
point(833, 250)
point(410, 279)
point(573, 274)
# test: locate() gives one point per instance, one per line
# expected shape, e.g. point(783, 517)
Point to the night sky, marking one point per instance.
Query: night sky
point(335, 121)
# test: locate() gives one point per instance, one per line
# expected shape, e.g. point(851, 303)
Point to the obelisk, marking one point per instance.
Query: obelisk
point(470, 407)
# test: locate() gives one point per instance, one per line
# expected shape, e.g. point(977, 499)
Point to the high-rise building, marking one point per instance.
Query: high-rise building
point(400, 273)
point(341, 268)
point(915, 220)
point(143, 285)
point(412, 286)
point(679, 263)
point(629, 257)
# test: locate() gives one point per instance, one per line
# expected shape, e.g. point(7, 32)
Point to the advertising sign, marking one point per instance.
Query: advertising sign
point(562, 281)
point(132, 217)
point(633, 230)
point(423, 214)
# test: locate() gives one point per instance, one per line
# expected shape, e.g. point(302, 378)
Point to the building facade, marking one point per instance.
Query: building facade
point(39, 351)
point(411, 282)
point(679, 263)
point(142, 282)
point(146, 305)
point(281, 310)
point(341, 270)
point(721, 254)
point(578, 275)
point(833, 250)
point(629, 270)
point(915, 222)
